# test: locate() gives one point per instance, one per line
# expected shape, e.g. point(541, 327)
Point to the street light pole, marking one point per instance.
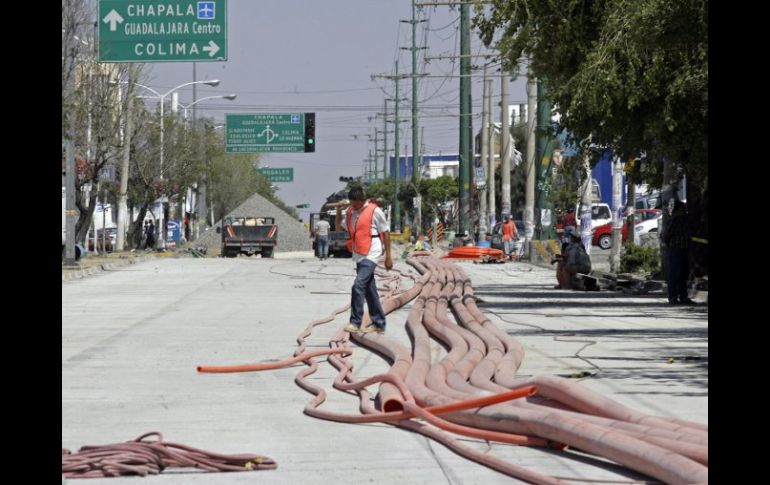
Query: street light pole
point(200, 196)
point(185, 107)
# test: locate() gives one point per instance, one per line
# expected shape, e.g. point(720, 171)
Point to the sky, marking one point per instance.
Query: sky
point(318, 56)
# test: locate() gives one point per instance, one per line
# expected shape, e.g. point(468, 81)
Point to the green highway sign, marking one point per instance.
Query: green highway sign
point(162, 30)
point(293, 132)
point(278, 174)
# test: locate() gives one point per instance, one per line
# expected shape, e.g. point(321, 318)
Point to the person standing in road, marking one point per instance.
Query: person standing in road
point(322, 238)
point(509, 236)
point(677, 238)
point(187, 226)
point(150, 232)
point(369, 238)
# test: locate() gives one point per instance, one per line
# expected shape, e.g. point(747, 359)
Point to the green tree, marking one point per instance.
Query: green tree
point(566, 186)
point(630, 75)
point(233, 179)
point(435, 192)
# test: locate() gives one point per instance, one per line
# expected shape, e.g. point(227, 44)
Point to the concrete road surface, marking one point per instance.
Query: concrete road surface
point(133, 336)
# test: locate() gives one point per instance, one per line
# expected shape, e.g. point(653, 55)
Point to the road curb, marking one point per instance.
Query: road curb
point(78, 273)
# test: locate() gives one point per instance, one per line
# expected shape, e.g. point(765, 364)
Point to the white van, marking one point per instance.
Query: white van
point(600, 214)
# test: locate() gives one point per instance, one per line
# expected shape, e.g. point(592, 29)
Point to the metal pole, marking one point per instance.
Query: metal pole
point(397, 215)
point(529, 201)
point(506, 147)
point(385, 164)
point(123, 220)
point(162, 237)
point(491, 155)
point(465, 111)
point(543, 164)
point(585, 206)
point(483, 160)
point(376, 148)
point(631, 207)
point(415, 146)
point(617, 209)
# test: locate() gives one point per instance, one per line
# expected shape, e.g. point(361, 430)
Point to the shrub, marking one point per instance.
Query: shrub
point(637, 259)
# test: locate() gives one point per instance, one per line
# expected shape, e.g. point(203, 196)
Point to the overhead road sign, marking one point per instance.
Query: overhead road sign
point(292, 132)
point(162, 30)
point(278, 174)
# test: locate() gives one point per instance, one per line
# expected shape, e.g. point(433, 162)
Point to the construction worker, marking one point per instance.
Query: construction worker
point(509, 236)
point(369, 238)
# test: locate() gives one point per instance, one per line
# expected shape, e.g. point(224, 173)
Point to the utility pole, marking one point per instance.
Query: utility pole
point(631, 203)
point(545, 229)
point(529, 201)
point(585, 205)
point(414, 49)
point(415, 146)
point(483, 159)
point(397, 77)
point(385, 161)
point(617, 220)
point(466, 155)
point(397, 215)
point(371, 169)
point(506, 145)
point(71, 212)
point(385, 151)
point(376, 149)
point(123, 219)
point(202, 196)
point(491, 155)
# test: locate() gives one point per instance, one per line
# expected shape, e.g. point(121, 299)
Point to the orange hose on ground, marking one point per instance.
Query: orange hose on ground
point(473, 252)
point(442, 409)
point(482, 434)
point(270, 365)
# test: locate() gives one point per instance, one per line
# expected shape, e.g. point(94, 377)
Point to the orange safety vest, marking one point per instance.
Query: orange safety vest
point(363, 229)
point(509, 230)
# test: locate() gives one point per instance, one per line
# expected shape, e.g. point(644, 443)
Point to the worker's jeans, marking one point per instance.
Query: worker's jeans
point(508, 246)
point(365, 288)
point(322, 244)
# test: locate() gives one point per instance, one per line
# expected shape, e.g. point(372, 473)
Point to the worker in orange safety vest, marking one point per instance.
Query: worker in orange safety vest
point(369, 238)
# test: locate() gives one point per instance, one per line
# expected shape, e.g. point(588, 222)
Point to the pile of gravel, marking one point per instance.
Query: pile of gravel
point(292, 235)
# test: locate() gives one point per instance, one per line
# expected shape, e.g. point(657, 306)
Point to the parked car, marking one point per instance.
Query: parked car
point(111, 239)
point(497, 236)
point(647, 220)
point(602, 235)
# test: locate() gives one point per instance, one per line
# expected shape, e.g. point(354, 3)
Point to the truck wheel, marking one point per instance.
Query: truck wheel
point(230, 253)
point(267, 252)
point(605, 241)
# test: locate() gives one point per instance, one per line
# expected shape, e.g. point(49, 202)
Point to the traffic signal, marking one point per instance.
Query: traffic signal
point(309, 132)
point(303, 206)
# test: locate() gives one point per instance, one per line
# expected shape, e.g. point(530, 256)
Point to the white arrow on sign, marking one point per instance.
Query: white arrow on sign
point(113, 18)
point(212, 48)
